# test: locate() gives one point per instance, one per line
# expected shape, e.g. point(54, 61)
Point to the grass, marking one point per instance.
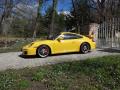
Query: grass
point(14, 48)
point(19, 43)
point(92, 74)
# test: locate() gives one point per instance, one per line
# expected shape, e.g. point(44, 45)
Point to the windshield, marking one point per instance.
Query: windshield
point(53, 37)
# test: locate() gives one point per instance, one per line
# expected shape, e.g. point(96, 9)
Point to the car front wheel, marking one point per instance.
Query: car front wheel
point(43, 51)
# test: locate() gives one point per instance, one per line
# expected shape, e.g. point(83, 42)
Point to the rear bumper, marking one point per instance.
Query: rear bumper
point(93, 45)
point(29, 51)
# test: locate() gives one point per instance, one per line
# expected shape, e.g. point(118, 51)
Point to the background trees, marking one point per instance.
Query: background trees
point(27, 18)
point(5, 19)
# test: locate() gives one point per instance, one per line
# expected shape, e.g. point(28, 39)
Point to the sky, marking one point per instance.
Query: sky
point(66, 5)
point(63, 5)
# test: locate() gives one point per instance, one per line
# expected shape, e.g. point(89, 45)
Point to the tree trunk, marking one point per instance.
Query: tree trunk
point(76, 17)
point(51, 32)
point(37, 19)
point(6, 14)
point(5, 21)
point(1, 21)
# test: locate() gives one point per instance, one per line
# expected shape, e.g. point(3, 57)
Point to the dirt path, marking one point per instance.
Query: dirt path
point(13, 60)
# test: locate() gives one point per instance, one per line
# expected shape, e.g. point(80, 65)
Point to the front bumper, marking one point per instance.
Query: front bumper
point(29, 51)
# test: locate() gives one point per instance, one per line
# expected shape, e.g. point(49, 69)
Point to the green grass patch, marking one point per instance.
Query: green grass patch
point(14, 48)
point(18, 44)
point(10, 80)
point(92, 74)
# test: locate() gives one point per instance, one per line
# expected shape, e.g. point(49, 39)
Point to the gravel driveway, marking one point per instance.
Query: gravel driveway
point(13, 60)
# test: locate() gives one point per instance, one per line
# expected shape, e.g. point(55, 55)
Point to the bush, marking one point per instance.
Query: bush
point(7, 81)
point(12, 81)
point(23, 84)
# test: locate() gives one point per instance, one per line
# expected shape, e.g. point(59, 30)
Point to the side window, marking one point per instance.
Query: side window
point(71, 36)
point(66, 37)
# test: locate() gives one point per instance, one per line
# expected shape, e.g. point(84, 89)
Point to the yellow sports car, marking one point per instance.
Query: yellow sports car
point(66, 42)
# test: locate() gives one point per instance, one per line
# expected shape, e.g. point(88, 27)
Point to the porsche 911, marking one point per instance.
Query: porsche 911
point(66, 42)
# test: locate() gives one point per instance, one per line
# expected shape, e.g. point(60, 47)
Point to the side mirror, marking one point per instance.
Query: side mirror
point(60, 38)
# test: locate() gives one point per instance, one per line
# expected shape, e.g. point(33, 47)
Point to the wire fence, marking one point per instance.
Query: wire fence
point(109, 34)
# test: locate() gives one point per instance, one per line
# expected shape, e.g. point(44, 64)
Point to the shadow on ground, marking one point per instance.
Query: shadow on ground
point(109, 50)
point(27, 57)
point(55, 55)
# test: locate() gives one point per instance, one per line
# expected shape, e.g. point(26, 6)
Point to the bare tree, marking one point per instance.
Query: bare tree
point(105, 8)
point(80, 13)
point(51, 32)
point(75, 10)
point(40, 2)
point(7, 9)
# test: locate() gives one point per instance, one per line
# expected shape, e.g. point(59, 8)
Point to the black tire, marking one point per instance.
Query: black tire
point(43, 51)
point(85, 48)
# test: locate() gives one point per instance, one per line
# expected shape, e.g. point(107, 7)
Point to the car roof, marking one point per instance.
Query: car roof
point(70, 33)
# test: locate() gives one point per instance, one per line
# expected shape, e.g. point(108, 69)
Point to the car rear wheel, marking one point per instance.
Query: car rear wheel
point(85, 48)
point(43, 51)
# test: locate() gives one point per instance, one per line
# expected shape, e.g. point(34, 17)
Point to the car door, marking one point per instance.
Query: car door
point(58, 46)
point(70, 43)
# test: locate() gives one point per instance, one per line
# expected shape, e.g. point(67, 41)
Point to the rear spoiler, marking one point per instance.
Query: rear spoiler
point(91, 37)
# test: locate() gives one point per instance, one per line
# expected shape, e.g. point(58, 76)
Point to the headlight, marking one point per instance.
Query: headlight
point(30, 44)
point(34, 45)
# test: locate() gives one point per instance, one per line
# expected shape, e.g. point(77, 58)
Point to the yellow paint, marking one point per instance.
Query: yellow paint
point(62, 46)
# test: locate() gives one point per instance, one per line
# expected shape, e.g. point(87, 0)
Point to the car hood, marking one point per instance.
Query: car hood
point(42, 41)
point(37, 43)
